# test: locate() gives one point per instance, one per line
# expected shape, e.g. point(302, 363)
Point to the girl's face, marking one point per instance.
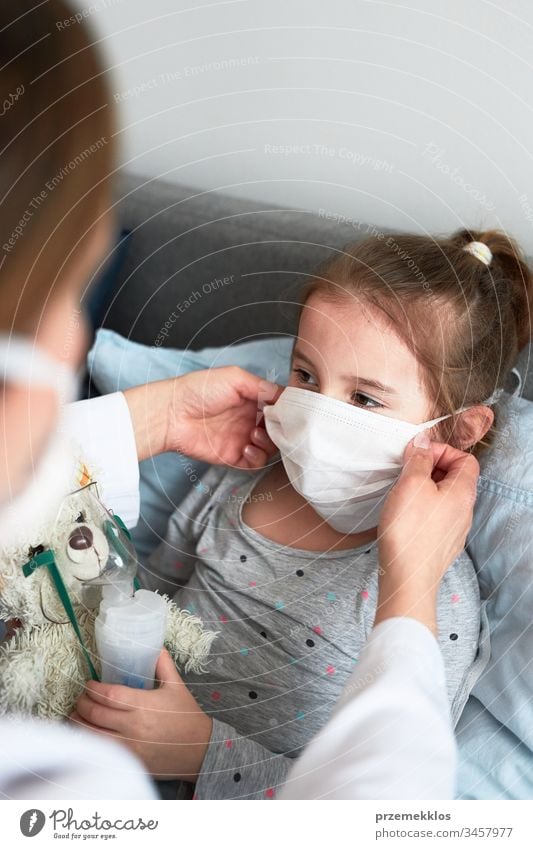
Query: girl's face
point(345, 350)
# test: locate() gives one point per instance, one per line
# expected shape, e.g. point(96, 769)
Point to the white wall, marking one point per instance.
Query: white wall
point(415, 115)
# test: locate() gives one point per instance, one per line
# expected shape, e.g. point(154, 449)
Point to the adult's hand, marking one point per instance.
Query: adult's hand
point(166, 727)
point(423, 527)
point(212, 415)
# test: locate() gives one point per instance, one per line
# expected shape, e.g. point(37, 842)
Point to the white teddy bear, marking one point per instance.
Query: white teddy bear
point(43, 664)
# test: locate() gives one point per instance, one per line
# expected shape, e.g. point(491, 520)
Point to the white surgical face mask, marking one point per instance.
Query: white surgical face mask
point(24, 516)
point(342, 459)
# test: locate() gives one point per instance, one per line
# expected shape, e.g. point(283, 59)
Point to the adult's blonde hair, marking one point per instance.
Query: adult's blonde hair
point(56, 152)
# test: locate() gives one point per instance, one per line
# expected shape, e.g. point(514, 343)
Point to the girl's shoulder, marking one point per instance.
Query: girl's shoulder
point(204, 490)
point(459, 607)
point(463, 634)
point(218, 478)
point(461, 577)
point(213, 487)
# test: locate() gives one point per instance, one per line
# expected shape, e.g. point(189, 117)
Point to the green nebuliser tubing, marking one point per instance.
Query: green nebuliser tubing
point(46, 558)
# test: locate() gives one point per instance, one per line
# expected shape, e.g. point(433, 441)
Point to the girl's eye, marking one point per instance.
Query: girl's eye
point(373, 404)
point(303, 376)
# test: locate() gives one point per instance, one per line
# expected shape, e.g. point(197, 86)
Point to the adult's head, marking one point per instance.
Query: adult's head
point(57, 156)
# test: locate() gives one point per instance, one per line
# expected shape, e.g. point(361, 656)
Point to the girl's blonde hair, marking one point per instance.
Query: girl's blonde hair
point(464, 321)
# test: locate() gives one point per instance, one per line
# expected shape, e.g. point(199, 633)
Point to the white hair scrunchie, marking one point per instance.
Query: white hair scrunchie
point(480, 250)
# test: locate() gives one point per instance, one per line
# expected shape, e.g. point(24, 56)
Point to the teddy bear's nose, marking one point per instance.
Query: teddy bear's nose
point(81, 538)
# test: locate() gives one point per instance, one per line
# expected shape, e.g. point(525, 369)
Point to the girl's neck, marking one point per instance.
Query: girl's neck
point(287, 518)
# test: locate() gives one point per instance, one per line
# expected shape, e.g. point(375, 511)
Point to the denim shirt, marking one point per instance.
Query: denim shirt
point(499, 543)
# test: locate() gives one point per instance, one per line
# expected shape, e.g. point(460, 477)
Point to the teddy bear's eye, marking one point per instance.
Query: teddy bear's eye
point(80, 517)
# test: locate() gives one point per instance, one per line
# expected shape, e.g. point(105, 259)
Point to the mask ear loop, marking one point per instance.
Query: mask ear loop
point(518, 389)
point(492, 399)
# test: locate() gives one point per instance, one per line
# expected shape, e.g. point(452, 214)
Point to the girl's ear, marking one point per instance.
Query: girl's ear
point(472, 425)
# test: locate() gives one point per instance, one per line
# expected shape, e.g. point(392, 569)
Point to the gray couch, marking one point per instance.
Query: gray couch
point(217, 269)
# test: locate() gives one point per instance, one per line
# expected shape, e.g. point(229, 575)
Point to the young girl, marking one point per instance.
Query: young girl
point(394, 332)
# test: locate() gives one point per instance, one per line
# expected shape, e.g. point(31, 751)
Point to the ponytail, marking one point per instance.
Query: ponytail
point(509, 272)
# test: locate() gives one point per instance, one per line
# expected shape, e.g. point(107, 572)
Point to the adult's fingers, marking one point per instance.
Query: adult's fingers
point(252, 458)
point(267, 399)
point(443, 454)
point(254, 388)
point(261, 439)
point(258, 451)
point(451, 462)
point(461, 476)
point(444, 463)
point(417, 463)
point(269, 392)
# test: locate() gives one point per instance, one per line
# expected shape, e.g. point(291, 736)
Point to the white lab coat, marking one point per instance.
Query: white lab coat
point(390, 735)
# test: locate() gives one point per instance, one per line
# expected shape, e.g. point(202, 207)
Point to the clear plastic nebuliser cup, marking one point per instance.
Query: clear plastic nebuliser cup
point(130, 634)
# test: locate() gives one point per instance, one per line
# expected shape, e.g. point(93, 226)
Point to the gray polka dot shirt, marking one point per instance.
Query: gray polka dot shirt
point(291, 624)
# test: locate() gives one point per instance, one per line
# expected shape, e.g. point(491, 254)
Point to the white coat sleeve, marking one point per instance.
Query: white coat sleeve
point(103, 429)
point(44, 760)
point(390, 735)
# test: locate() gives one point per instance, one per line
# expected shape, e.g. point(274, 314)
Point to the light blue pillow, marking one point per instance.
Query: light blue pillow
point(493, 763)
point(115, 363)
point(499, 544)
